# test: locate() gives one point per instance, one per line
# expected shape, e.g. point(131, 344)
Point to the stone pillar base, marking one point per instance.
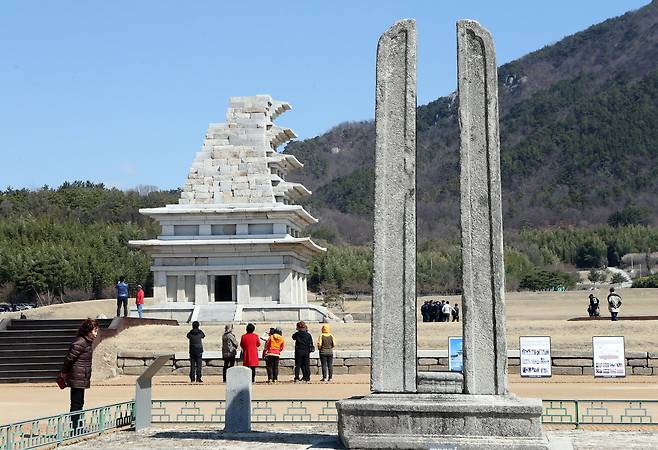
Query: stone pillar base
point(459, 421)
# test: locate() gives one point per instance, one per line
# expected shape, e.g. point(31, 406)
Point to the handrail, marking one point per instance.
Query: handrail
point(56, 429)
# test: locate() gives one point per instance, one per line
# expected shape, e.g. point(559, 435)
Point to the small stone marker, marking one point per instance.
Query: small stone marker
point(238, 400)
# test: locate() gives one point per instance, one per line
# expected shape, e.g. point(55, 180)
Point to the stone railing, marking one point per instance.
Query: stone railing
point(358, 362)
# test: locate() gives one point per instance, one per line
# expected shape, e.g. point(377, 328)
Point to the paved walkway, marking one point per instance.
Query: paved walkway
point(27, 401)
point(304, 437)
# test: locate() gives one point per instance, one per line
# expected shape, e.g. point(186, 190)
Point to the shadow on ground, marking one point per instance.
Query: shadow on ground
point(312, 439)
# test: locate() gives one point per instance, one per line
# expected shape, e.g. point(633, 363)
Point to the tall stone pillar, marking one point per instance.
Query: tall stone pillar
point(201, 288)
point(160, 286)
point(211, 288)
point(285, 287)
point(243, 296)
point(393, 343)
point(483, 276)
point(436, 414)
point(180, 289)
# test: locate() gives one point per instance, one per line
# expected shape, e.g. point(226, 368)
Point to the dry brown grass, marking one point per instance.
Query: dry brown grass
point(528, 313)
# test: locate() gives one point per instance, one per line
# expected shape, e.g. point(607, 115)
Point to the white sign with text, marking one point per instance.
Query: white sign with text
point(535, 355)
point(609, 358)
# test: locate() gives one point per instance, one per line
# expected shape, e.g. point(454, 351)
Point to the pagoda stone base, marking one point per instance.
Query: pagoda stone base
point(446, 421)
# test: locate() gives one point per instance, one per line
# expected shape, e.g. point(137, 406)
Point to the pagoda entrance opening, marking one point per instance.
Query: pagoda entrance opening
point(224, 288)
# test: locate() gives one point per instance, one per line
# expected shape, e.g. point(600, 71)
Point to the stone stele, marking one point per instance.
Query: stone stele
point(406, 409)
point(238, 400)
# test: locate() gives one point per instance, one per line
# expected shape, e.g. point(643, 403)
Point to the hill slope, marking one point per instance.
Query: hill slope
point(579, 139)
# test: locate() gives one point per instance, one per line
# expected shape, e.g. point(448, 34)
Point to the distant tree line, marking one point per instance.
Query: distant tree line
point(71, 243)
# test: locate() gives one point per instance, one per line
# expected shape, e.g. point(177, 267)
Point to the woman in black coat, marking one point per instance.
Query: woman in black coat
point(77, 366)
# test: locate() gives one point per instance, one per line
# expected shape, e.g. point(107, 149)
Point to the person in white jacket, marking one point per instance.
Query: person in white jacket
point(614, 303)
point(447, 311)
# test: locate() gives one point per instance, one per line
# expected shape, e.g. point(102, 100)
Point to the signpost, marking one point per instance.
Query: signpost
point(609, 360)
point(535, 354)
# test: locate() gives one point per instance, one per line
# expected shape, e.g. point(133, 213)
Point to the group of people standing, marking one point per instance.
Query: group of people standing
point(439, 311)
point(273, 344)
point(614, 305)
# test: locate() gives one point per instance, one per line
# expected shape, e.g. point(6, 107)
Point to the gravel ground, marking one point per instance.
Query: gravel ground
point(304, 437)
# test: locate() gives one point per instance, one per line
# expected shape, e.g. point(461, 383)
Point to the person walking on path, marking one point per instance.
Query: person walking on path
point(122, 297)
point(76, 370)
point(229, 349)
point(303, 348)
point(614, 303)
point(455, 313)
point(249, 343)
point(139, 300)
point(326, 344)
point(195, 335)
point(273, 348)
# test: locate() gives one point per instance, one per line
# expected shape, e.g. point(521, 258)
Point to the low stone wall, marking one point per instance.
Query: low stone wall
point(358, 362)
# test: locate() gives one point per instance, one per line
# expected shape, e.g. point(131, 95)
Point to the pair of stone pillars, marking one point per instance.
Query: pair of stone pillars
point(407, 409)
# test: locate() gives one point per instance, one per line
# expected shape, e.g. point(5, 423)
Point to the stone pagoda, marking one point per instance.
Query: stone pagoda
point(232, 248)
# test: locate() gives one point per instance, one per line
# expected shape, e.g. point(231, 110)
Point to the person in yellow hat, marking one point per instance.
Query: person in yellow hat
point(326, 344)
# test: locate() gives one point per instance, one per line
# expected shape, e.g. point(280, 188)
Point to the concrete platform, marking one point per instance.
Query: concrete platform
point(449, 420)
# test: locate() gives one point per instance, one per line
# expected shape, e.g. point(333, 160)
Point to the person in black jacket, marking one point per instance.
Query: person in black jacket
point(77, 367)
point(196, 352)
point(303, 348)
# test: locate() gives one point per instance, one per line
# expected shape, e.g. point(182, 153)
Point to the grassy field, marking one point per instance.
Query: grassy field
point(528, 313)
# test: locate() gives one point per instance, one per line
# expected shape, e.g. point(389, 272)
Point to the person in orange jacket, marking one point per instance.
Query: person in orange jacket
point(273, 348)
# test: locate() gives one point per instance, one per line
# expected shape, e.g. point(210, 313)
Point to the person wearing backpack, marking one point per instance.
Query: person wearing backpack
point(326, 343)
point(614, 303)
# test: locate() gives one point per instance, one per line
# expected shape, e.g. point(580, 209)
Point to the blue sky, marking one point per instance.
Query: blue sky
point(121, 92)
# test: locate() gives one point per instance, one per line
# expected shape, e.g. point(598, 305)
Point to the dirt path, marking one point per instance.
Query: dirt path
point(26, 401)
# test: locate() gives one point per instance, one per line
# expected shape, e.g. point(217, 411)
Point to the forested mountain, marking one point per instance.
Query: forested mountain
point(579, 140)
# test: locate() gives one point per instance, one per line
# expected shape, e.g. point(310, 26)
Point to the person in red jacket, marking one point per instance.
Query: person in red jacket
point(139, 300)
point(249, 343)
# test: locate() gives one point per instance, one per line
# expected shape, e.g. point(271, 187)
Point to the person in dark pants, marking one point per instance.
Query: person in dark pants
point(326, 344)
point(249, 343)
point(76, 370)
point(122, 297)
point(614, 303)
point(273, 348)
point(229, 349)
point(195, 335)
point(425, 310)
point(303, 348)
point(431, 311)
point(455, 313)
